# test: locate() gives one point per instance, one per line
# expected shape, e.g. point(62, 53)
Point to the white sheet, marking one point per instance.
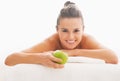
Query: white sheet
point(71, 72)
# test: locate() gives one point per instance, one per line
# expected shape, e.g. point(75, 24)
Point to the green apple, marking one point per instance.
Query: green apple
point(62, 55)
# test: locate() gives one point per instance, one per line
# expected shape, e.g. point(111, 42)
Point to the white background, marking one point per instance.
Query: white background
point(24, 23)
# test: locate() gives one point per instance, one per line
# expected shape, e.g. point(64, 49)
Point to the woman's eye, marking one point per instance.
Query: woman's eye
point(64, 30)
point(77, 31)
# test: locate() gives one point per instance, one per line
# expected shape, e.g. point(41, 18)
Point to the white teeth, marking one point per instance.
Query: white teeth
point(70, 42)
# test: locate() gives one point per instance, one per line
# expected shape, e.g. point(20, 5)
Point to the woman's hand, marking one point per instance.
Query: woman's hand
point(47, 59)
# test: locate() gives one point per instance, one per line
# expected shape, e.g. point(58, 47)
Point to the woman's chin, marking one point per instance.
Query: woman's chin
point(70, 48)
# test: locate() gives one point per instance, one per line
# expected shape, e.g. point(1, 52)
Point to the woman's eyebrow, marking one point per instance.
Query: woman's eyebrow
point(77, 29)
point(63, 28)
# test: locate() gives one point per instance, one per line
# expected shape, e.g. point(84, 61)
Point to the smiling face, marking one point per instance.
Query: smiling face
point(70, 31)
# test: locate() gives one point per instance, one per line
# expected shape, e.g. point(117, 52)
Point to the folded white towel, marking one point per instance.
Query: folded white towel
point(84, 60)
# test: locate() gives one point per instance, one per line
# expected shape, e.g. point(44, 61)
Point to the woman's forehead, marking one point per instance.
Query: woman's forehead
point(71, 22)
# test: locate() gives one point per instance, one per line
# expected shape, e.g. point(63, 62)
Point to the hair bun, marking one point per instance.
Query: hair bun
point(69, 3)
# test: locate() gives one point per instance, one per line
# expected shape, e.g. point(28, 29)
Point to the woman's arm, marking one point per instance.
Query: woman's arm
point(38, 54)
point(92, 48)
point(105, 54)
point(46, 59)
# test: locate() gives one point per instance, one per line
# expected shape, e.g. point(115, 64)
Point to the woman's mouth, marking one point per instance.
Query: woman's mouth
point(70, 41)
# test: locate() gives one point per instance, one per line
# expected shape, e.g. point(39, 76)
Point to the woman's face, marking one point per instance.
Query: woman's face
point(70, 31)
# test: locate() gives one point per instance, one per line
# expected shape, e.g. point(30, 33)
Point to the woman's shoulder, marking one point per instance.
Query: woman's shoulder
point(86, 37)
point(54, 41)
point(53, 37)
point(89, 41)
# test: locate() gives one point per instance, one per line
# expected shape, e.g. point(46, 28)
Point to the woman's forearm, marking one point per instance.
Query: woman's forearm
point(105, 54)
point(45, 58)
point(18, 58)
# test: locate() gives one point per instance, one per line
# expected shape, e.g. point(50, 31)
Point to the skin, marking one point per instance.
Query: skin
point(70, 38)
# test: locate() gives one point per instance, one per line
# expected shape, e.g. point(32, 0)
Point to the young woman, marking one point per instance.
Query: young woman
point(70, 38)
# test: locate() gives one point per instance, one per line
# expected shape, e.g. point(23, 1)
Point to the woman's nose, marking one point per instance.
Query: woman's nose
point(71, 36)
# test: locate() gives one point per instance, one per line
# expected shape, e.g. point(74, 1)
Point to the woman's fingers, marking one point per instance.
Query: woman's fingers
point(54, 59)
point(52, 64)
point(50, 61)
point(55, 65)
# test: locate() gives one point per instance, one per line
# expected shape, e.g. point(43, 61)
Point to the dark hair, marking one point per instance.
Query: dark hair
point(70, 10)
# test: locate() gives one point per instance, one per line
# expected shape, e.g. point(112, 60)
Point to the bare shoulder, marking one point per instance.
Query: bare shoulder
point(88, 37)
point(53, 37)
point(85, 35)
point(90, 42)
point(49, 44)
